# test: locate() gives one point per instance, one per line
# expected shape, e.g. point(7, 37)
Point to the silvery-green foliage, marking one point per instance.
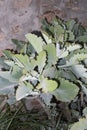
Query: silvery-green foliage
point(51, 64)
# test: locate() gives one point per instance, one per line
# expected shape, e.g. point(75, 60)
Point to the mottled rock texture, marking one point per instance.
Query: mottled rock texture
point(18, 17)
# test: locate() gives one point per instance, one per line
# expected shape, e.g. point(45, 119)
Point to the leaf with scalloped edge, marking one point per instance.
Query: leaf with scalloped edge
point(23, 90)
point(41, 61)
point(82, 38)
point(61, 53)
point(66, 92)
point(22, 61)
point(58, 33)
point(67, 74)
point(80, 71)
point(28, 77)
point(71, 36)
point(8, 76)
point(6, 87)
point(83, 86)
point(8, 54)
point(50, 72)
point(75, 52)
point(16, 72)
point(70, 24)
point(51, 54)
point(3, 64)
point(76, 58)
point(47, 38)
point(73, 47)
point(47, 85)
point(37, 42)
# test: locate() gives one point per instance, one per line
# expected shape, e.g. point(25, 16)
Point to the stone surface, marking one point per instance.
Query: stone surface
point(18, 17)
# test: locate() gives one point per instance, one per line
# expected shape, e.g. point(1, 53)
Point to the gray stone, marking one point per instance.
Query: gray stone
point(18, 17)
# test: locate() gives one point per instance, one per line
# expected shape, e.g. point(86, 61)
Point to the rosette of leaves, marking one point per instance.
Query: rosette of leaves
point(45, 65)
point(63, 31)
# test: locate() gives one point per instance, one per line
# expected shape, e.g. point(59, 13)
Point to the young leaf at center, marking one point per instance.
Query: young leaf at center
point(47, 85)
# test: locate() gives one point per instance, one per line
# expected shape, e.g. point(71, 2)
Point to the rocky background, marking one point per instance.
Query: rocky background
point(18, 17)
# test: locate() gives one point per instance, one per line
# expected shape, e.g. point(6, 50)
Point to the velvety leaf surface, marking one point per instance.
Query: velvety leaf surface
point(51, 52)
point(41, 60)
point(23, 90)
point(6, 86)
point(66, 91)
point(47, 85)
point(37, 42)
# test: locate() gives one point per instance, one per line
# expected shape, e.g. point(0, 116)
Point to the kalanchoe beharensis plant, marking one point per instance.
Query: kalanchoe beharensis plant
point(53, 64)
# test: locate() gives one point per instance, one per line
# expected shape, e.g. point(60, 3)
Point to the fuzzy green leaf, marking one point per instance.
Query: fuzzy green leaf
point(7, 75)
point(61, 53)
point(51, 52)
point(76, 58)
point(58, 30)
point(71, 36)
point(67, 74)
point(6, 86)
point(80, 71)
point(22, 61)
point(47, 85)
point(73, 47)
point(28, 77)
point(9, 62)
point(50, 72)
point(3, 64)
point(77, 51)
point(8, 54)
point(16, 72)
point(66, 92)
point(70, 24)
point(41, 61)
point(23, 90)
point(47, 38)
point(37, 42)
point(82, 39)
